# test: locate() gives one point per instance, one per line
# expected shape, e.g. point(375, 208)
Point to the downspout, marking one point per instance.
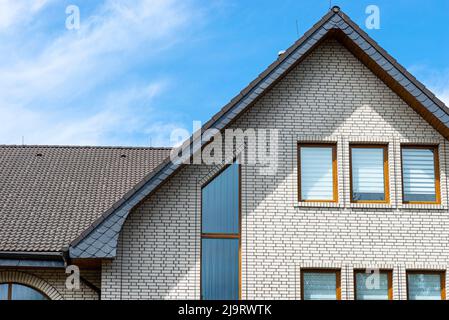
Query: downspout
point(66, 256)
point(68, 262)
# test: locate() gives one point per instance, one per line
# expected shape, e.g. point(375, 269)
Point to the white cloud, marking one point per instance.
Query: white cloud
point(126, 117)
point(99, 49)
point(436, 81)
point(443, 94)
point(129, 112)
point(13, 12)
point(442, 90)
point(74, 64)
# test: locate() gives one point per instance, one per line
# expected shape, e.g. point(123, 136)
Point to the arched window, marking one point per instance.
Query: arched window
point(17, 291)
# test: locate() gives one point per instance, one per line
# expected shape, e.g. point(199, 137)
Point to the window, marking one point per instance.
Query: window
point(320, 285)
point(369, 173)
point(15, 291)
point(4, 291)
point(426, 285)
point(317, 173)
point(373, 286)
point(420, 174)
point(220, 236)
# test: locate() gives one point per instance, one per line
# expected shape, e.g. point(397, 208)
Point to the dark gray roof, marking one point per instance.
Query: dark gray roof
point(100, 239)
point(50, 194)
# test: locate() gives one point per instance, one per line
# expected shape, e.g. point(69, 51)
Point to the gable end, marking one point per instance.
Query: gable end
point(100, 240)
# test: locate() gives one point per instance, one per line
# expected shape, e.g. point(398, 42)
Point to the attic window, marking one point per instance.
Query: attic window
point(369, 173)
point(420, 174)
point(422, 285)
point(317, 180)
point(39, 154)
point(320, 285)
point(123, 156)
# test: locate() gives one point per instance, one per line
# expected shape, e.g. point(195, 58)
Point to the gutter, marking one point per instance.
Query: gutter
point(54, 260)
point(32, 259)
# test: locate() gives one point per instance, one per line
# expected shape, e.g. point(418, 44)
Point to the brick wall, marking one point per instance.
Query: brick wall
point(330, 96)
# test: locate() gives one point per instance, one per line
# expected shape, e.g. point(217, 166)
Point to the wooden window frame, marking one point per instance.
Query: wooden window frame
point(389, 274)
point(11, 283)
point(441, 273)
point(386, 172)
point(337, 273)
point(333, 146)
point(436, 164)
point(223, 236)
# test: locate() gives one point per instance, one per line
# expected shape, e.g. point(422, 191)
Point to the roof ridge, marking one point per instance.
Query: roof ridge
point(83, 147)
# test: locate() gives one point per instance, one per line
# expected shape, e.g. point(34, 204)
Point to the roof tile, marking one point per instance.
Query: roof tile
point(48, 200)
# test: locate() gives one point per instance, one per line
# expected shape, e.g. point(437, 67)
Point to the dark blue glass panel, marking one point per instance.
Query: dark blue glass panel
point(4, 291)
point(220, 269)
point(21, 292)
point(220, 202)
point(360, 196)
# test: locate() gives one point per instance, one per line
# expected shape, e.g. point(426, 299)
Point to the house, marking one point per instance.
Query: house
point(355, 207)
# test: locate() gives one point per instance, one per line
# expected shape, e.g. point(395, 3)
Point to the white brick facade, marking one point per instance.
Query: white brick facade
point(330, 96)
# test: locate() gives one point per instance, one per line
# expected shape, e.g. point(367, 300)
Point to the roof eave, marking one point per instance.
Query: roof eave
point(32, 259)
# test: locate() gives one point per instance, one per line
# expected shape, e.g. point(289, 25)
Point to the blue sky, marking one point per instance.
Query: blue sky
point(137, 70)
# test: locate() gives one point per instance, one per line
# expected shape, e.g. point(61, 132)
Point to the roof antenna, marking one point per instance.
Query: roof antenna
point(330, 4)
point(23, 140)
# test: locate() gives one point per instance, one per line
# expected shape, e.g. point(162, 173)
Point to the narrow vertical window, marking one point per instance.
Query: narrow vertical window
point(220, 236)
point(317, 172)
point(426, 285)
point(373, 286)
point(320, 285)
point(420, 175)
point(369, 173)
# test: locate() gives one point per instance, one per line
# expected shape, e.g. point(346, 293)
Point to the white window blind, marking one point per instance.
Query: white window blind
point(317, 182)
point(418, 174)
point(424, 286)
point(368, 182)
point(372, 286)
point(320, 286)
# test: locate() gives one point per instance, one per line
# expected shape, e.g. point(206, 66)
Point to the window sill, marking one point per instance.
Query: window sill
point(423, 206)
point(318, 205)
point(375, 205)
point(339, 205)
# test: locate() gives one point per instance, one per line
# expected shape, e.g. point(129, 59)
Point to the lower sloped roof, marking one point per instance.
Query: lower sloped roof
point(50, 194)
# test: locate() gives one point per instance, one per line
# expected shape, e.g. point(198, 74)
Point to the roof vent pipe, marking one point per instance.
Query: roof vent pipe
point(280, 53)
